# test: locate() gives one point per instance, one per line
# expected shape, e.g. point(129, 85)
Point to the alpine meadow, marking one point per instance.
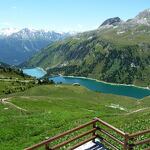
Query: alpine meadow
point(74, 75)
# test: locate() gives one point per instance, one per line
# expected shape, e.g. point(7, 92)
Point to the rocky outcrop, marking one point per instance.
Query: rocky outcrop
point(111, 21)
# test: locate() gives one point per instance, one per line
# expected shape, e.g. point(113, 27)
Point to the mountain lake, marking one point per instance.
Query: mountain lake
point(95, 85)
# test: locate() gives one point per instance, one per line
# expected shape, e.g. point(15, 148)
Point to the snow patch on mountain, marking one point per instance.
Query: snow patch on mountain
point(20, 45)
point(8, 31)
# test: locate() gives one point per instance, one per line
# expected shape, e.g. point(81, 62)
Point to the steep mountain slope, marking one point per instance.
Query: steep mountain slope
point(18, 46)
point(117, 53)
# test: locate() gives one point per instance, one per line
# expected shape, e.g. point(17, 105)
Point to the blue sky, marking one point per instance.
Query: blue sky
point(66, 15)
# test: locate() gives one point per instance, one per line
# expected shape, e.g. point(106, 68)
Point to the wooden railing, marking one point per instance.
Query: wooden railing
point(110, 136)
point(128, 139)
point(133, 137)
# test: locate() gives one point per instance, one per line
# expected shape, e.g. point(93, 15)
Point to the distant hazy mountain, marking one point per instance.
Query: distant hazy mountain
point(118, 51)
point(16, 46)
point(3, 65)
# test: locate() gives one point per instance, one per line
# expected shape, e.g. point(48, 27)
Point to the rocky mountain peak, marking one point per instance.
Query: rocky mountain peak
point(111, 21)
point(144, 14)
point(142, 18)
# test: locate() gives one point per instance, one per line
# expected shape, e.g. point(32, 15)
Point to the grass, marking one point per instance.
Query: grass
point(11, 82)
point(53, 109)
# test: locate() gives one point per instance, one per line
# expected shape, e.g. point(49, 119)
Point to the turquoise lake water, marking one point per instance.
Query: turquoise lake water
point(94, 85)
point(34, 72)
point(98, 86)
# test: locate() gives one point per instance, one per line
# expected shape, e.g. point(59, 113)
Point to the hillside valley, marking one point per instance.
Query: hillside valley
point(53, 82)
point(13, 80)
point(44, 111)
point(40, 111)
point(118, 51)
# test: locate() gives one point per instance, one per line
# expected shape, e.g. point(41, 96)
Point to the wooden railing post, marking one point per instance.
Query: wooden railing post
point(94, 126)
point(94, 132)
point(126, 139)
point(131, 145)
point(47, 147)
point(128, 143)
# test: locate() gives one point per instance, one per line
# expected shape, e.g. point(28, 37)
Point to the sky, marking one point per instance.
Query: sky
point(66, 15)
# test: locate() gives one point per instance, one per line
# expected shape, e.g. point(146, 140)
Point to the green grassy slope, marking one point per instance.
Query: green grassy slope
point(13, 80)
point(51, 109)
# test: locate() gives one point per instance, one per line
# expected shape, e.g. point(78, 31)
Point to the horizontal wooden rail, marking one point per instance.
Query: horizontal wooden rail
point(111, 136)
point(147, 149)
point(73, 139)
point(111, 127)
point(138, 143)
point(45, 142)
point(142, 142)
point(103, 140)
point(139, 133)
point(83, 142)
point(97, 125)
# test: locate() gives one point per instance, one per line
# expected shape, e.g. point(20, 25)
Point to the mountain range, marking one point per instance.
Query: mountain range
point(17, 46)
point(118, 51)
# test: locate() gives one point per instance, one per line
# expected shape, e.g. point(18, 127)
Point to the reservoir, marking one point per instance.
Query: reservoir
point(98, 86)
point(34, 72)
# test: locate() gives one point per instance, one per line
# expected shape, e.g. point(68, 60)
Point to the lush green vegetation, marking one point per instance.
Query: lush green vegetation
point(119, 55)
point(13, 80)
point(47, 110)
point(32, 110)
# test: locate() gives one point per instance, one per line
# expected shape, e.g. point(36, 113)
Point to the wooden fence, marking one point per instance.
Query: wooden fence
point(108, 135)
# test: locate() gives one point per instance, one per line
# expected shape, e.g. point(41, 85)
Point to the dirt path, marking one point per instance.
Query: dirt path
point(138, 110)
point(15, 80)
point(5, 101)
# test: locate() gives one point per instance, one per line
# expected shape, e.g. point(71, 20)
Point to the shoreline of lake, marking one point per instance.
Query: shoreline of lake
point(94, 84)
point(42, 69)
point(118, 84)
point(104, 87)
point(80, 77)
